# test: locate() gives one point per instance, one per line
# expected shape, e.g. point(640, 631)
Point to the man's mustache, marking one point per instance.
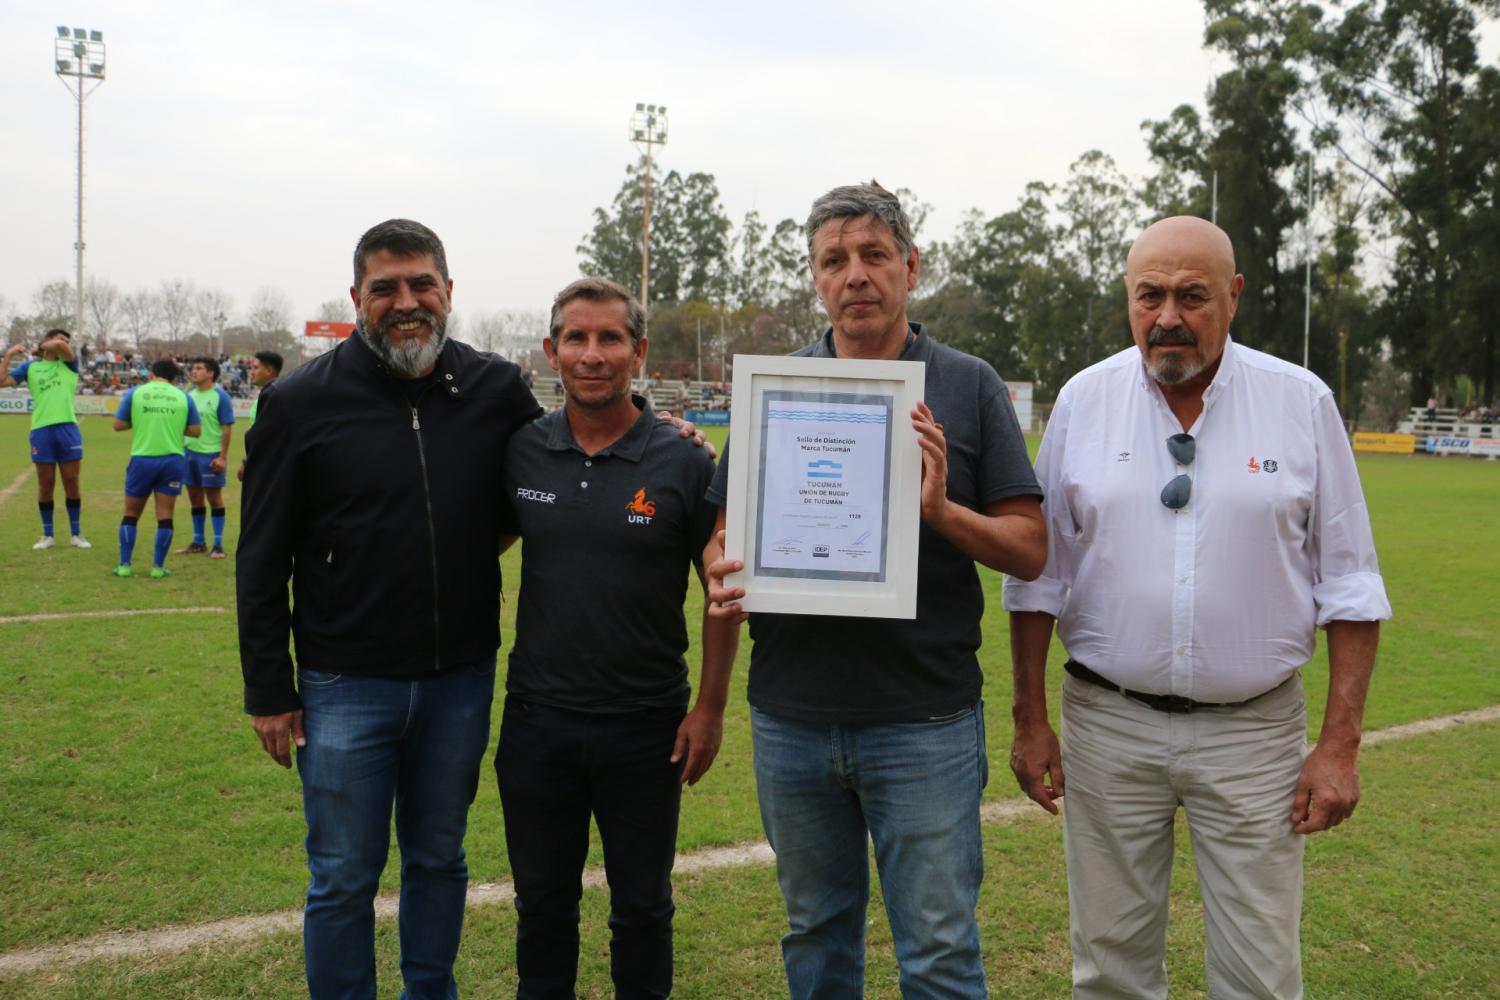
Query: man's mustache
point(1180, 335)
point(416, 315)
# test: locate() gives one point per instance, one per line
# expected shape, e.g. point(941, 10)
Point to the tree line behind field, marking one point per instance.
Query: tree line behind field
point(1389, 98)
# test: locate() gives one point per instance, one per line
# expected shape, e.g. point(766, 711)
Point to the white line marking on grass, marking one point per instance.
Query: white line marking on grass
point(1424, 726)
point(175, 940)
point(59, 615)
point(10, 490)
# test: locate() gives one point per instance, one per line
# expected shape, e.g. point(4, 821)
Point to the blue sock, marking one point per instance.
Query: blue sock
point(198, 513)
point(75, 514)
point(44, 507)
point(127, 540)
point(218, 516)
point(163, 543)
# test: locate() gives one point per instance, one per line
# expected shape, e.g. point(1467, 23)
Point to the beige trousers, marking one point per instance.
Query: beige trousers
point(1234, 771)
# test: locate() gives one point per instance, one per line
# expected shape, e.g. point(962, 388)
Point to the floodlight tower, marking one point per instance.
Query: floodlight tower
point(648, 127)
point(80, 66)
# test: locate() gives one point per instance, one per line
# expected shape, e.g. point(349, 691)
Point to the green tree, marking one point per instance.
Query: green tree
point(690, 237)
point(1410, 109)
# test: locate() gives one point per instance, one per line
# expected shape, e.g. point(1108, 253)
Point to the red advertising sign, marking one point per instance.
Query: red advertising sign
point(317, 328)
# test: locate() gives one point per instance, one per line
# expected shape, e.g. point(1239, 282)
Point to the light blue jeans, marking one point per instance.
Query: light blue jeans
point(913, 788)
point(373, 743)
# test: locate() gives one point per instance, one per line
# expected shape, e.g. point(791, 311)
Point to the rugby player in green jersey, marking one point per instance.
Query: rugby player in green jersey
point(56, 441)
point(159, 417)
point(208, 455)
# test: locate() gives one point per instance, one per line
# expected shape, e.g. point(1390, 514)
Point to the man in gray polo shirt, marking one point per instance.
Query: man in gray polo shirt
point(610, 502)
point(871, 729)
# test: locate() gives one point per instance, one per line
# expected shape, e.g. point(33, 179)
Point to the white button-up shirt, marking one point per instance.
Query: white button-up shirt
point(1217, 601)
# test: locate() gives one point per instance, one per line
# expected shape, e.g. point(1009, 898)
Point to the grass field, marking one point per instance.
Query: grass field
point(136, 797)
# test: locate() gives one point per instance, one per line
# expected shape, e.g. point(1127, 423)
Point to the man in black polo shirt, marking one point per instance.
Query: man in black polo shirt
point(611, 504)
point(869, 728)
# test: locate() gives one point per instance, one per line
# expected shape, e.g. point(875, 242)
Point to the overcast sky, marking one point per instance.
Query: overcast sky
point(237, 145)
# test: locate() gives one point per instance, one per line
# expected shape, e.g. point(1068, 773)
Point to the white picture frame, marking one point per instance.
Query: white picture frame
point(824, 522)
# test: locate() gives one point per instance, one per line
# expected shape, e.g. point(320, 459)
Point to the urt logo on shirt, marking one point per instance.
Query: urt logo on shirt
point(641, 510)
point(1254, 466)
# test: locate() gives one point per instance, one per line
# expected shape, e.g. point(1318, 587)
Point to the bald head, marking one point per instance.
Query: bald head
point(1183, 293)
point(1185, 238)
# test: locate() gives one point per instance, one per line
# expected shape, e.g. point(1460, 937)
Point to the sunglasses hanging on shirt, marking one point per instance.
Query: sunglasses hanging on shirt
point(1175, 495)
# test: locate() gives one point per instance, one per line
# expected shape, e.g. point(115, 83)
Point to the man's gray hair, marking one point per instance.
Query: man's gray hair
point(599, 290)
point(856, 201)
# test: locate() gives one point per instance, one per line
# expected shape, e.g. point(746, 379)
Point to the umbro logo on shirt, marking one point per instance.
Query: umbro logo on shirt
point(641, 510)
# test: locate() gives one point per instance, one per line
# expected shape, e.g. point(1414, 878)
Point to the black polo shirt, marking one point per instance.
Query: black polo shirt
point(608, 544)
point(827, 668)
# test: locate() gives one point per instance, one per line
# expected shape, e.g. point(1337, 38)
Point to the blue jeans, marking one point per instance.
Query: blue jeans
point(371, 743)
point(555, 768)
point(913, 788)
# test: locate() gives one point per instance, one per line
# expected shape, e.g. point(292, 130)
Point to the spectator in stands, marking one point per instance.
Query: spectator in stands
point(1432, 402)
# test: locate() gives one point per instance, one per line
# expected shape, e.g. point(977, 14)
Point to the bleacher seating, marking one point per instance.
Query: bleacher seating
point(1446, 422)
point(667, 394)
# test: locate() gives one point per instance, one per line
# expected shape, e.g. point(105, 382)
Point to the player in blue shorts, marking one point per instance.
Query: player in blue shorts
point(208, 455)
point(56, 441)
point(159, 417)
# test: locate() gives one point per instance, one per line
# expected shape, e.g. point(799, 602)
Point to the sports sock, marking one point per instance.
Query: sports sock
point(218, 516)
point(75, 513)
point(198, 513)
point(163, 542)
point(127, 539)
point(44, 507)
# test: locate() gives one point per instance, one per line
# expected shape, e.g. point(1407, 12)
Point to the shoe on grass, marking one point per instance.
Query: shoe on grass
point(158, 572)
point(120, 570)
point(217, 552)
point(47, 541)
point(196, 549)
point(79, 542)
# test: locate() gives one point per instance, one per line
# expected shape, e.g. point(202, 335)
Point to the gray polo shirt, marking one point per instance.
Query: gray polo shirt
point(608, 544)
point(824, 668)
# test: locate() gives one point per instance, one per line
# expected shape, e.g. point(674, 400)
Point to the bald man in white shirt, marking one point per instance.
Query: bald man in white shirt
point(1205, 517)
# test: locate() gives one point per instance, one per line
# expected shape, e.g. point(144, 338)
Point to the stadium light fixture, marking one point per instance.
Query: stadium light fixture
point(648, 128)
point(79, 58)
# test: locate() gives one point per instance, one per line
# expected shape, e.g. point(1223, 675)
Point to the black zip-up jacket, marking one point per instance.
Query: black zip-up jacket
point(383, 513)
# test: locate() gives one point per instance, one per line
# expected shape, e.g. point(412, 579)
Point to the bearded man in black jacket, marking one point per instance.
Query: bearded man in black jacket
point(372, 484)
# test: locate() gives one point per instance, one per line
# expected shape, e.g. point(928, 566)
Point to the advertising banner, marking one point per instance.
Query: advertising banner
point(318, 328)
point(707, 418)
point(1391, 444)
point(1439, 445)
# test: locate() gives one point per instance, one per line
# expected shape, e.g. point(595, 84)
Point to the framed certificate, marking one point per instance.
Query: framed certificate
point(825, 485)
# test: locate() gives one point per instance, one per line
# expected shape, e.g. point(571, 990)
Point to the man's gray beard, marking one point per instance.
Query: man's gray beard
point(1173, 368)
point(406, 362)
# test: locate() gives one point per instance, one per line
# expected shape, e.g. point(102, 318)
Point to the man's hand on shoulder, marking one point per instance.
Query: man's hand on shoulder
point(686, 428)
point(278, 732)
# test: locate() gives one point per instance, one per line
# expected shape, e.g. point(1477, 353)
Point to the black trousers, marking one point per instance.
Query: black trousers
point(556, 768)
